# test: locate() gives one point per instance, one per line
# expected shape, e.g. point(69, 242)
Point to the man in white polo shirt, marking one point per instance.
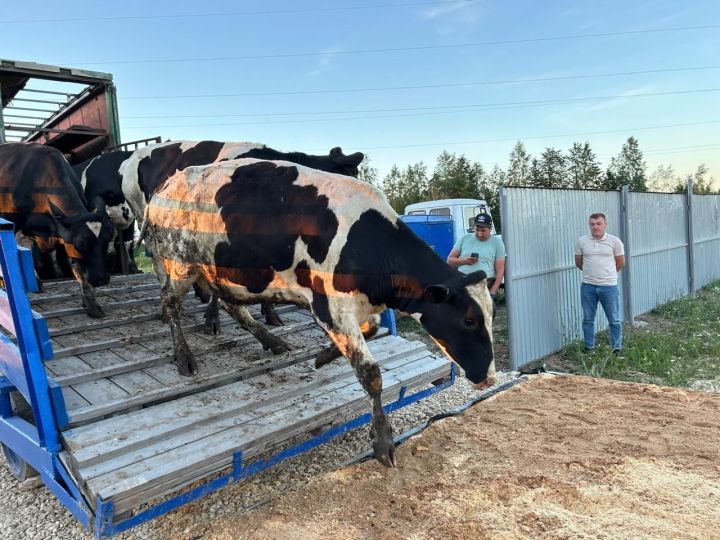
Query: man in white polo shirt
point(600, 256)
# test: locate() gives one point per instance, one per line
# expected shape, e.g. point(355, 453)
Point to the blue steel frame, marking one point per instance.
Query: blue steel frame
point(21, 360)
point(38, 445)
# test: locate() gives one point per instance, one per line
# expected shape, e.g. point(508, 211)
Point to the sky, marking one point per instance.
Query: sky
point(400, 80)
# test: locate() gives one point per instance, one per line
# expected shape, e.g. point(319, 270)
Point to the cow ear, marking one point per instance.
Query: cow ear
point(336, 152)
point(436, 293)
point(356, 158)
point(475, 277)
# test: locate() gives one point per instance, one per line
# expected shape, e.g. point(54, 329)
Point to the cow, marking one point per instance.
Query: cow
point(42, 196)
point(101, 180)
point(148, 168)
point(253, 230)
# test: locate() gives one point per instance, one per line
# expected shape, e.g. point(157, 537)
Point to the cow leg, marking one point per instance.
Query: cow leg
point(172, 294)
point(200, 293)
point(92, 308)
point(368, 329)
point(212, 317)
point(271, 317)
point(269, 341)
point(353, 346)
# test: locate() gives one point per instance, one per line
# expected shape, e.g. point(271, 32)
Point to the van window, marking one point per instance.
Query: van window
point(439, 211)
point(416, 213)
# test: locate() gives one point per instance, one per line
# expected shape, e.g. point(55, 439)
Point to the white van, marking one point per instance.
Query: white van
point(461, 211)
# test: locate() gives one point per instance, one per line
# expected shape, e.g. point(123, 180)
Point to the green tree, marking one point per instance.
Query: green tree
point(454, 177)
point(367, 173)
point(520, 169)
point(552, 169)
point(702, 185)
point(490, 192)
point(663, 179)
point(413, 184)
point(536, 175)
point(583, 170)
point(391, 188)
point(627, 168)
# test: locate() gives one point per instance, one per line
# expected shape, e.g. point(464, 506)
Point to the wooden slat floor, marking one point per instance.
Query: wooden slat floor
point(138, 430)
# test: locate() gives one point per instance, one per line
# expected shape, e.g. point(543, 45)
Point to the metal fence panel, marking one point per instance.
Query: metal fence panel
point(659, 243)
point(706, 228)
point(540, 228)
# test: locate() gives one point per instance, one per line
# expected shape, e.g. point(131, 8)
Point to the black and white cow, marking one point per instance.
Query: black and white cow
point(148, 168)
point(254, 230)
point(42, 196)
point(101, 180)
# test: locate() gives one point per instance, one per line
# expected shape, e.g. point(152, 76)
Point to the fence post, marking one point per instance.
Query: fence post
point(690, 239)
point(506, 230)
point(627, 271)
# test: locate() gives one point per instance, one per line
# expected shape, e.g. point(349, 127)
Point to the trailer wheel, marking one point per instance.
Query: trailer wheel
point(18, 466)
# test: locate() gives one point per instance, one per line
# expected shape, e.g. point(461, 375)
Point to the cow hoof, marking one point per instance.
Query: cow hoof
point(385, 452)
point(273, 321)
point(212, 327)
point(384, 446)
point(133, 269)
point(282, 347)
point(94, 311)
point(185, 361)
point(325, 357)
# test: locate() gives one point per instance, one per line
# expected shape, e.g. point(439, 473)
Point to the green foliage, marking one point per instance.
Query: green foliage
point(455, 177)
point(406, 187)
point(627, 168)
point(519, 171)
point(583, 170)
point(681, 345)
point(702, 185)
point(367, 173)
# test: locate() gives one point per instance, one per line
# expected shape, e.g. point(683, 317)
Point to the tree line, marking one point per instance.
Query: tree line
point(455, 176)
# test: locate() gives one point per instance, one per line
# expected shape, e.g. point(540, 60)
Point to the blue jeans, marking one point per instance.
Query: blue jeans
point(609, 298)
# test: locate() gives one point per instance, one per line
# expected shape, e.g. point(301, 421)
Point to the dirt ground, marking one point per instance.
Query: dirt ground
point(554, 457)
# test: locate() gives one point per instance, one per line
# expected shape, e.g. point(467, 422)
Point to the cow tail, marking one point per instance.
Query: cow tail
point(143, 229)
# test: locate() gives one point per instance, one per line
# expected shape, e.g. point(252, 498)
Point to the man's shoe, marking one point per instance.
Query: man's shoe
point(617, 352)
point(588, 349)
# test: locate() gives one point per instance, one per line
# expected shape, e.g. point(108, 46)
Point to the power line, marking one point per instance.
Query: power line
point(535, 137)
point(242, 13)
point(403, 49)
point(425, 86)
point(444, 108)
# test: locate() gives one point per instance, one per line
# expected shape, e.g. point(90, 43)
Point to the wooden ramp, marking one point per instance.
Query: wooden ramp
point(138, 430)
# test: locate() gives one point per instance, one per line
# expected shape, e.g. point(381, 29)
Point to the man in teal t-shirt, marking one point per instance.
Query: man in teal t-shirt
point(480, 250)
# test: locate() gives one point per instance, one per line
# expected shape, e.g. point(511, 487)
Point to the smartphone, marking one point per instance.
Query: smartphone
point(474, 255)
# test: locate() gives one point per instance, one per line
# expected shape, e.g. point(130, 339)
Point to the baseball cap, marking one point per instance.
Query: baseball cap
point(483, 220)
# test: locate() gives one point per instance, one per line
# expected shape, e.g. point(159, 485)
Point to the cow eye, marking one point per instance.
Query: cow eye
point(469, 322)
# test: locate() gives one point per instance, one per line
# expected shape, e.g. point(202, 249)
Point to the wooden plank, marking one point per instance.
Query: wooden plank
point(185, 385)
point(137, 356)
point(112, 461)
point(99, 391)
point(120, 484)
point(180, 415)
point(103, 291)
point(175, 483)
point(72, 399)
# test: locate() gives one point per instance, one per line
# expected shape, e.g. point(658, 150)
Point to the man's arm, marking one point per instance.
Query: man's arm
point(619, 262)
point(455, 260)
point(579, 261)
point(499, 274)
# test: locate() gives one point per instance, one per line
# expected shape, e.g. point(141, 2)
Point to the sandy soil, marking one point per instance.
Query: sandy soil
point(555, 457)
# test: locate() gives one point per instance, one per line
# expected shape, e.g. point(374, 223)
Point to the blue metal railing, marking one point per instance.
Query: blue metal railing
point(25, 443)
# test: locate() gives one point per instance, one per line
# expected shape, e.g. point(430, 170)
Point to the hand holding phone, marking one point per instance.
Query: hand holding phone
point(474, 255)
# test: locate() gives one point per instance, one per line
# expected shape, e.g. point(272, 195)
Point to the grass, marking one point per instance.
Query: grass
point(680, 344)
point(143, 262)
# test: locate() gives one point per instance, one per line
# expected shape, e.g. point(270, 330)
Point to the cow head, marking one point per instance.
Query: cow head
point(86, 240)
point(347, 165)
point(458, 315)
